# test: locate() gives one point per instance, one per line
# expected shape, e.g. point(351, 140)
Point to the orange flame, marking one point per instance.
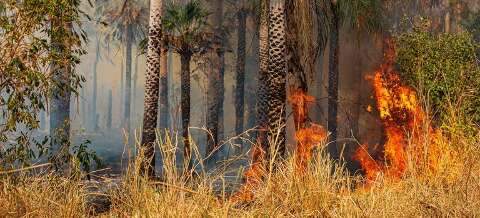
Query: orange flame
point(403, 118)
point(308, 134)
point(253, 176)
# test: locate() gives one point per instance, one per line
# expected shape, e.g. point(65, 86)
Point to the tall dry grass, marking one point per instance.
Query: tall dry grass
point(325, 189)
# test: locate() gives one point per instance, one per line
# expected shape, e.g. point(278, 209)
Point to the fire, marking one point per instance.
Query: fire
point(408, 135)
point(253, 176)
point(308, 134)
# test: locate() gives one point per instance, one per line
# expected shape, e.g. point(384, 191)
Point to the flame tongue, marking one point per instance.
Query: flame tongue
point(308, 134)
point(403, 120)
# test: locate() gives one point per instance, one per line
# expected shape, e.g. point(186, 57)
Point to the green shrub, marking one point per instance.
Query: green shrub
point(443, 68)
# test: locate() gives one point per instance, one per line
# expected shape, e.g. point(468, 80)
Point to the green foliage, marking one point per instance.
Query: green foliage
point(443, 68)
point(185, 20)
point(85, 156)
point(184, 27)
point(34, 36)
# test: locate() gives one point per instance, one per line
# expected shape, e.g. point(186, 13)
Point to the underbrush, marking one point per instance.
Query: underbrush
point(325, 189)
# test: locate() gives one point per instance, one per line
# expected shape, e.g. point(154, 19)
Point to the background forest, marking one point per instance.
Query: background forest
point(239, 108)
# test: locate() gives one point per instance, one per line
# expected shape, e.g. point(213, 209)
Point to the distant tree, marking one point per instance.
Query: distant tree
point(184, 33)
point(240, 68)
point(215, 89)
point(126, 21)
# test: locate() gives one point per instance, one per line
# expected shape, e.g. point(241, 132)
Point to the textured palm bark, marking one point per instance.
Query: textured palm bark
point(262, 100)
point(185, 105)
point(128, 79)
point(216, 89)
point(333, 80)
point(152, 82)
point(277, 73)
point(240, 69)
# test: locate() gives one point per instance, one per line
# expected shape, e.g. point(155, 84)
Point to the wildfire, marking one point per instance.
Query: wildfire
point(308, 135)
point(408, 135)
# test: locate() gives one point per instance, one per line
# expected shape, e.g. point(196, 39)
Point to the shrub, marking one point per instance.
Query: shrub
point(444, 69)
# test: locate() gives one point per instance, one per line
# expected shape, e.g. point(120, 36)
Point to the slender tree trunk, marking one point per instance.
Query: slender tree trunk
point(170, 87)
point(134, 94)
point(185, 105)
point(333, 80)
point(95, 84)
point(215, 90)
point(128, 79)
point(447, 19)
point(164, 106)
point(240, 68)
point(277, 73)
point(84, 108)
point(152, 82)
point(42, 120)
point(122, 90)
point(262, 93)
point(110, 107)
point(252, 74)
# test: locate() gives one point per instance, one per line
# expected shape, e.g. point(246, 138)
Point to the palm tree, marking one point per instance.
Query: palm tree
point(184, 33)
point(127, 21)
point(152, 85)
point(215, 90)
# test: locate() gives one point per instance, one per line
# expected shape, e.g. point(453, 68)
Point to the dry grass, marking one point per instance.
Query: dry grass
point(324, 190)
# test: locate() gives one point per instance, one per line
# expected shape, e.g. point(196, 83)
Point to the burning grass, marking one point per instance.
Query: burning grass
point(318, 192)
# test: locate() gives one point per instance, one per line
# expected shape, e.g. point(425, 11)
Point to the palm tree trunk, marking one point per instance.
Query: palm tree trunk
point(95, 83)
point(152, 83)
point(277, 73)
point(164, 106)
point(333, 80)
point(240, 68)
point(262, 98)
point(128, 79)
point(216, 89)
point(185, 104)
